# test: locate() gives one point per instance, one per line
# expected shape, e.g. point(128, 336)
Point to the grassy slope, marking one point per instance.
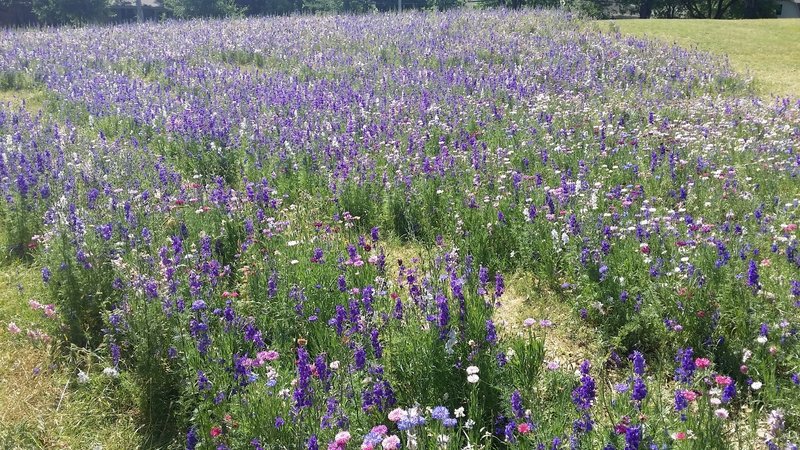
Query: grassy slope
point(40, 404)
point(768, 50)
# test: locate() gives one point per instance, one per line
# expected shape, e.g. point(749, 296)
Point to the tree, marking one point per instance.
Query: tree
point(269, 7)
point(350, 6)
point(669, 9)
point(391, 5)
point(56, 12)
point(708, 9)
point(516, 4)
point(442, 5)
point(645, 9)
point(755, 9)
point(202, 8)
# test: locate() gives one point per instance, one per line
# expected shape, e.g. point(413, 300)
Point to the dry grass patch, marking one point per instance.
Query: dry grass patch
point(41, 403)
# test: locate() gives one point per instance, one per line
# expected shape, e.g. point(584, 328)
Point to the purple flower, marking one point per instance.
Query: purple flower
point(584, 394)
point(633, 437)
point(638, 362)
point(516, 405)
point(729, 392)
point(360, 357)
point(303, 393)
point(440, 413)
point(443, 317)
point(191, 438)
point(499, 285)
point(639, 391)
point(202, 381)
point(377, 349)
point(491, 333)
point(483, 278)
point(680, 401)
point(752, 275)
point(686, 367)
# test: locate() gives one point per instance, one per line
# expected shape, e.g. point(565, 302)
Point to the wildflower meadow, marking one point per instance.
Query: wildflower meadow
point(344, 232)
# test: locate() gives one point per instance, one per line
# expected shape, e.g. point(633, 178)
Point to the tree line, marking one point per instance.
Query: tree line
point(55, 12)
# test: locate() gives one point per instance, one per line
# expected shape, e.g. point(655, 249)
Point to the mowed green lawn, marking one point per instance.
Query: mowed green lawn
point(768, 49)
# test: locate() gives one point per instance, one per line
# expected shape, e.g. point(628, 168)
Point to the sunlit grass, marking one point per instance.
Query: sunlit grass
point(768, 50)
point(41, 403)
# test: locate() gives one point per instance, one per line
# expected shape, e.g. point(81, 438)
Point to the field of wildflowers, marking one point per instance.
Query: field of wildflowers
point(222, 213)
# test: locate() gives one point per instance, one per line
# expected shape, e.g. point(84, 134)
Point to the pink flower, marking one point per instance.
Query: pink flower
point(391, 443)
point(34, 304)
point(524, 428)
point(723, 380)
point(722, 413)
point(679, 436)
point(380, 429)
point(13, 328)
point(342, 437)
point(702, 363)
point(269, 355)
point(689, 395)
point(397, 414)
point(215, 431)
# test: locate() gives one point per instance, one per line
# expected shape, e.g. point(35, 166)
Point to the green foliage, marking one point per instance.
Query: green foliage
point(330, 6)
point(202, 8)
point(522, 3)
point(56, 12)
point(269, 7)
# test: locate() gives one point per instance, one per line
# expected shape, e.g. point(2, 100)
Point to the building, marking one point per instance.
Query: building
point(125, 10)
point(788, 9)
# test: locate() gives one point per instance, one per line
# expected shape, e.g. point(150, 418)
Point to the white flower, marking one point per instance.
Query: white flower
point(761, 339)
point(111, 372)
point(334, 365)
point(83, 378)
point(458, 413)
point(472, 370)
point(473, 378)
point(722, 413)
point(756, 385)
point(451, 342)
point(469, 424)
